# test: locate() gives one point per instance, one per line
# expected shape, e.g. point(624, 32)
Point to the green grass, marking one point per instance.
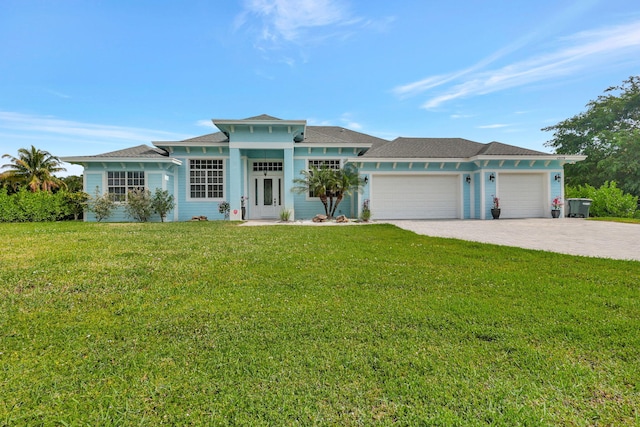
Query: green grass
point(214, 324)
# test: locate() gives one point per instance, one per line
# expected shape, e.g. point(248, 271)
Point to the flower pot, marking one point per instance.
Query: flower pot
point(555, 213)
point(495, 213)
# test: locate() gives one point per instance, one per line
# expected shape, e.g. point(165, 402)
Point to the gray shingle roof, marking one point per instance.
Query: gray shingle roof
point(209, 138)
point(337, 134)
point(262, 117)
point(442, 148)
point(143, 151)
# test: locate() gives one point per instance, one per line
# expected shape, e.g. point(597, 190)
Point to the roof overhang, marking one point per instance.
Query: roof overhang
point(93, 159)
point(562, 158)
point(230, 126)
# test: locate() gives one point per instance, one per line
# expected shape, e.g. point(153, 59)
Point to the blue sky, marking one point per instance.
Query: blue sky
point(86, 77)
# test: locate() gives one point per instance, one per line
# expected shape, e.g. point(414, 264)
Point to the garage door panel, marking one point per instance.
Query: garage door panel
point(522, 195)
point(415, 197)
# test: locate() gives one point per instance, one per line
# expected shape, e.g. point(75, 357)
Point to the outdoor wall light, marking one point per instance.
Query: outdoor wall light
point(366, 180)
point(557, 177)
point(492, 177)
point(468, 179)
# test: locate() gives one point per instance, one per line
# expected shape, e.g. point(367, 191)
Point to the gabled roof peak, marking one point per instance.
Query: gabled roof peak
point(262, 117)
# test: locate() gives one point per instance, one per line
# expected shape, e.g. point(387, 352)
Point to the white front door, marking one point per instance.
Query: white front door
point(267, 196)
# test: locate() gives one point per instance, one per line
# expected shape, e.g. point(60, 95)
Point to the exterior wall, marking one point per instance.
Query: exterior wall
point(475, 200)
point(307, 207)
point(95, 180)
point(188, 208)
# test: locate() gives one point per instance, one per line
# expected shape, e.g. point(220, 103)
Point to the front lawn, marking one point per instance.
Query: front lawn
point(208, 323)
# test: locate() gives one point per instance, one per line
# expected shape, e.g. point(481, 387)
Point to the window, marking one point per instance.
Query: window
point(333, 164)
point(267, 166)
point(328, 163)
point(121, 182)
point(206, 178)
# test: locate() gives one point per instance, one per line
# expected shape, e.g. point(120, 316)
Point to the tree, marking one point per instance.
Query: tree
point(101, 205)
point(76, 202)
point(608, 133)
point(317, 182)
point(139, 205)
point(33, 168)
point(331, 186)
point(162, 202)
point(73, 183)
point(345, 183)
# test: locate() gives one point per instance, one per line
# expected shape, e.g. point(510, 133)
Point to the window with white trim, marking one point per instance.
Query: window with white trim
point(322, 163)
point(334, 164)
point(119, 183)
point(206, 178)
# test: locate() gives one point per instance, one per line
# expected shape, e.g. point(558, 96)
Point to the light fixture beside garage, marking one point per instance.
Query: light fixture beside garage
point(366, 180)
point(492, 177)
point(468, 179)
point(557, 177)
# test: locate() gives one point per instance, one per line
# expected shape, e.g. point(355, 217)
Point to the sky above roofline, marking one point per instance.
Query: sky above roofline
point(82, 78)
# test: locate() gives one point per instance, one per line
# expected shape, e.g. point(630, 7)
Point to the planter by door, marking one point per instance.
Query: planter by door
point(495, 213)
point(555, 213)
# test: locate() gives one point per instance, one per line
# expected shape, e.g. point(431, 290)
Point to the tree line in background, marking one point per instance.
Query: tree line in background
point(608, 133)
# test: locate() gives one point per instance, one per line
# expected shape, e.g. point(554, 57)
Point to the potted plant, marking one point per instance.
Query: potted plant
point(224, 208)
point(556, 203)
point(495, 208)
point(366, 211)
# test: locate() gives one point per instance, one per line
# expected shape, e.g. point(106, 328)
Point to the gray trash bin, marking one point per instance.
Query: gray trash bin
point(578, 208)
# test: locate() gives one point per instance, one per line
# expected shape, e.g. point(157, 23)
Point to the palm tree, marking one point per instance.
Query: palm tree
point(346, 182)
point(34, 168)
point(329, 185)
point(318, 182)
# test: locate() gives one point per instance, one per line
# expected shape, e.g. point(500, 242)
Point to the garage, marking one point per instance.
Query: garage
point(415, 196)
point(522, 195)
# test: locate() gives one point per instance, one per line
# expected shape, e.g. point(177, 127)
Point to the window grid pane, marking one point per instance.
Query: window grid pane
point(121, 182)
point(323, 163)
point(206, 178)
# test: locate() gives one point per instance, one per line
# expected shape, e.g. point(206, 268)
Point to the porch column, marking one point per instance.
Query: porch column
point(235, 184)
point(289, 174)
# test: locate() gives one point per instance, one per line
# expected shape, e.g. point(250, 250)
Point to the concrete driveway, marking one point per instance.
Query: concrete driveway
point(572, 236)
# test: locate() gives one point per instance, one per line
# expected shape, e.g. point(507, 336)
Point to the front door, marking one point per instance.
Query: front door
point(267, 196)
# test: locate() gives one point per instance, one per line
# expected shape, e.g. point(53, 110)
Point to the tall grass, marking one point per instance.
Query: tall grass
point(210, 323)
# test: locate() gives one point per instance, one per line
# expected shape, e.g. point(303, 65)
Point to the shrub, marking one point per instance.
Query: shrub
point(608, 200)
point(162, 202)
point(139, 205)
point(285, 215)
point(101, 205)
point(27, 206)
point(76, 202)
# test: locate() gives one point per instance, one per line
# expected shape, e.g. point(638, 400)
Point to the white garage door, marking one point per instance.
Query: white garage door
point(522, 195)
point(415, 196)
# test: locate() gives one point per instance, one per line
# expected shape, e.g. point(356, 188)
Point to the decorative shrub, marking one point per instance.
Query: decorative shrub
point(139, 205)
point(102, 206)
point(162, 202)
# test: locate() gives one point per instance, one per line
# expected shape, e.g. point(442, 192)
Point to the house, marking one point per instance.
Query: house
point(259, 157)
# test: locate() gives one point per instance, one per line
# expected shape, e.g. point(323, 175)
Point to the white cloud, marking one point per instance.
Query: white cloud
point(286, 19)
point(494, 126)
point(584, 51)
point(205, 123)
point(47, 127)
